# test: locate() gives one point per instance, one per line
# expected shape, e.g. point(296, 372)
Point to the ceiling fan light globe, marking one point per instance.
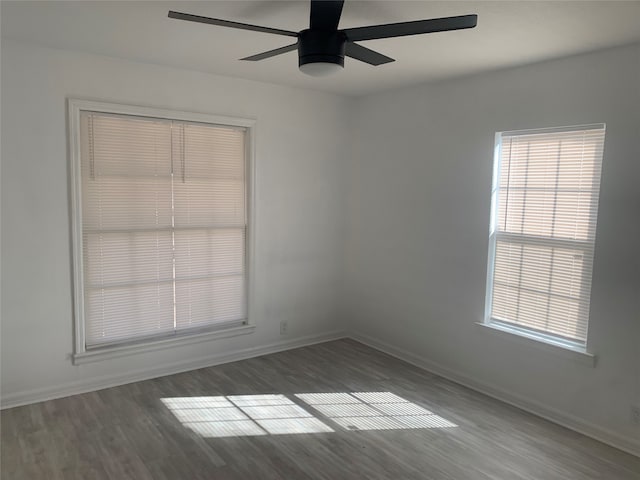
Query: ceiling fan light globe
point(320, 69)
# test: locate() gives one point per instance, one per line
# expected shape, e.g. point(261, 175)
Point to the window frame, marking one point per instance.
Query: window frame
point(508, 327)
point(83, 355)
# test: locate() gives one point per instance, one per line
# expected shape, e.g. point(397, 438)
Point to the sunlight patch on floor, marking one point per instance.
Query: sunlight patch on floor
point(243, 415)
point(373, 411)
point(275, 414)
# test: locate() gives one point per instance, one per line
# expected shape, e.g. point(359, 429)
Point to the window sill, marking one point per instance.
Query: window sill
point(577, 354)
point(108, 353)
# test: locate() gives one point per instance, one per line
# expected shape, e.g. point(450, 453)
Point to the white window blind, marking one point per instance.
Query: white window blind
point(163, 226)
point(544, 209)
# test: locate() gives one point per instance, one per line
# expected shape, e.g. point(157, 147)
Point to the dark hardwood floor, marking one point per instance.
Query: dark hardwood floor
point(378, 418)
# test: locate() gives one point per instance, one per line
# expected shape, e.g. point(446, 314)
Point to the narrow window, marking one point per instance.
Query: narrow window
point(542, 231)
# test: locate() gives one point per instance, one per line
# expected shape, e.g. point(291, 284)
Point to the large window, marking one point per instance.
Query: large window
point(542, 233)
point(161, 222)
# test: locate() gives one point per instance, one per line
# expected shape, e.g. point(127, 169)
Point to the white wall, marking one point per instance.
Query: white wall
point(300, 155)
point(418, 236)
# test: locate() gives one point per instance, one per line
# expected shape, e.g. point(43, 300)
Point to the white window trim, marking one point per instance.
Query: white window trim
point(81, 354)
point(526, 336)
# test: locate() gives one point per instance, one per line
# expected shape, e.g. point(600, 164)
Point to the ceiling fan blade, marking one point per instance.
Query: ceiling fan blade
point(410, 28)
point(325, 14)
point(271, 53)
point(365, 55)
point(228, 23)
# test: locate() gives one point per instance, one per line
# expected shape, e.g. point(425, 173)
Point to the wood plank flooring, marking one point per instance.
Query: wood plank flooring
point(229, 423)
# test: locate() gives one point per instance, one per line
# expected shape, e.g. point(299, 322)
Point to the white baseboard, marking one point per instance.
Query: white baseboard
point(108, 381)
point(613, 439)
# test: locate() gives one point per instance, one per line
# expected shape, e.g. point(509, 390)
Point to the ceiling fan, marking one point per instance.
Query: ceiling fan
point(322, 47)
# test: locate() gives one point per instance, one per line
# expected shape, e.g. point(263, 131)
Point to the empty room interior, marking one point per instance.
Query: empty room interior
point(313, 240)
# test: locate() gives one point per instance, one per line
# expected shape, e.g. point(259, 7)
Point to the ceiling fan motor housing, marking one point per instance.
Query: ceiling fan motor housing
point(320, 46)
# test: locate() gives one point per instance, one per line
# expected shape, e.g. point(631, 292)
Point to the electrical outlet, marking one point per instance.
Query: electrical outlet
point(284, 326)
point(635, 415)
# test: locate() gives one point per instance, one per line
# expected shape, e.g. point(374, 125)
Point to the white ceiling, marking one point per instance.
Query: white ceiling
point(508, 33)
